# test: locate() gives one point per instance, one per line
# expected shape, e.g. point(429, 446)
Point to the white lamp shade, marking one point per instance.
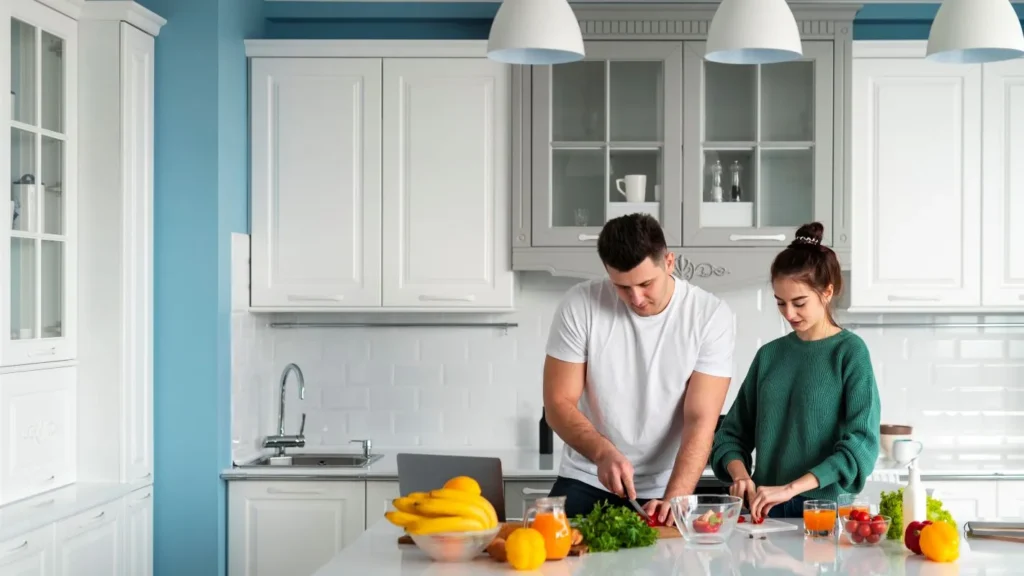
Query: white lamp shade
point(975, 31)
point(753, 32)
point(539, 32)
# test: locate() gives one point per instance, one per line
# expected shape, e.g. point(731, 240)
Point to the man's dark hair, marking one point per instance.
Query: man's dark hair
point(627, 240)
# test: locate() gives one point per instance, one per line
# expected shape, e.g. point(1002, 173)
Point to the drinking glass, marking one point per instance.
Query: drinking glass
point(849, 502)
point(819, 519)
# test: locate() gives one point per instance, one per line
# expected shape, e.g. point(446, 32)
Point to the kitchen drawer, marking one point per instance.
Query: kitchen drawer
point(28, 554)
point(92, 542)
point(516, 492)
point(37, 432)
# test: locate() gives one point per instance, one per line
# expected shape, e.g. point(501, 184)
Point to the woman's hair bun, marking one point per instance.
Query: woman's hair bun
point(811, 233)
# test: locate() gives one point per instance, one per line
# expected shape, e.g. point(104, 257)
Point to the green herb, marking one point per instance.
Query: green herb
point(891, 504)
point(609, 528)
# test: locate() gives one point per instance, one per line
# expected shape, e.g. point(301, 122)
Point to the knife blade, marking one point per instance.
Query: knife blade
point(639, 509)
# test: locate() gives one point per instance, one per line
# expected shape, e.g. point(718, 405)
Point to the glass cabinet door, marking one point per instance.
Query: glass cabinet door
point(607, 141)
point(757, 148)
point(40, 125)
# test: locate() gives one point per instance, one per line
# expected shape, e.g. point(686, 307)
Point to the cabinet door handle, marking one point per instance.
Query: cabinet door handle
point(93, 519)
point(902, 298)
point(16, 548)
point(535, 491)
point(585, 237)
point(47, 480)
point(141, 500)
point(45, 352)
point(146, 475)
point(429, 298)
point(280, 491)
point(303, 298)
point(757, 237)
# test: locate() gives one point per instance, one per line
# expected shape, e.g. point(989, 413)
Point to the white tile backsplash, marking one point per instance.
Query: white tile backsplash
point(481, 388)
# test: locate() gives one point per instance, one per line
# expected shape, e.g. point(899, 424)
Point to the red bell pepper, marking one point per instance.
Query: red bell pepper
point(912, 537)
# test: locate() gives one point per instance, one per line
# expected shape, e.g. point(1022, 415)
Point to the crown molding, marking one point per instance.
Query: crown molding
point(126, 11)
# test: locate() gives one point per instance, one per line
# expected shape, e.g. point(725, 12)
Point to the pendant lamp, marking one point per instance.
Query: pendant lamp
point(975, 31)
point(539, 32)
point(753, 32)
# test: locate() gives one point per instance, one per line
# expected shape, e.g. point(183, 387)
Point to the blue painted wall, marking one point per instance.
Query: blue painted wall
point(472, 20)
point(201, 191)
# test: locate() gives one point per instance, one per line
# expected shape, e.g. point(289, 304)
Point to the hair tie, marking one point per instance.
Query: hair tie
point(807, 240)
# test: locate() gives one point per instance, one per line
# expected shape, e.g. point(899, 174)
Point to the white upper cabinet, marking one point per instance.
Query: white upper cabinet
point(380, 177)
point(38, 257)
point(1002, 242)
point(446, 183)
point(938, 206)
point(316, 139)
point(917, 183)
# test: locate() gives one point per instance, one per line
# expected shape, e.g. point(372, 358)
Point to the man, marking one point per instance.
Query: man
point(620, 355)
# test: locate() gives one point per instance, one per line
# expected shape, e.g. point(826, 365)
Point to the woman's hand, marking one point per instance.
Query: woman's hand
point(768, 496)
point(660, 511)
point(743, 487)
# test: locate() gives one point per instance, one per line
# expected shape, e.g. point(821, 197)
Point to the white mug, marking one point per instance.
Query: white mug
point(636, 187)
point(904, 451)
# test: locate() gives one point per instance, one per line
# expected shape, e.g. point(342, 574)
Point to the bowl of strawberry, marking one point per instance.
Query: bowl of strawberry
point(862, 528)
point(706, 518)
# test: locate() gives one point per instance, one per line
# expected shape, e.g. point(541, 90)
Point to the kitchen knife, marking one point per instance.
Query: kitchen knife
point(639, 509)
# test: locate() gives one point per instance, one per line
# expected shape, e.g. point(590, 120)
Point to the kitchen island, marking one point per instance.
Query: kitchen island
point(377, 552)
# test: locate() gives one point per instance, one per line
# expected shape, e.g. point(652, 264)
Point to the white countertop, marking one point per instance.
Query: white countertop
point(377, 552)
point(529, 465)
point(26, 515)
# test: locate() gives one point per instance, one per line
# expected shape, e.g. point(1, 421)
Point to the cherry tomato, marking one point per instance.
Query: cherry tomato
point(864, 530)
point(856, 537)
point(874, 538)
point(878, 525)
point(741, 520)
point(851, 526)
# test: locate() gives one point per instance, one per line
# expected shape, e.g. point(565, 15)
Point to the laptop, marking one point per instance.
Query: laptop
point(426, 472)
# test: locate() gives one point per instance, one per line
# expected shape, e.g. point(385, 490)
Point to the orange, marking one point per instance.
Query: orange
point(557, 534)
point(463, 483)
point(525, 549)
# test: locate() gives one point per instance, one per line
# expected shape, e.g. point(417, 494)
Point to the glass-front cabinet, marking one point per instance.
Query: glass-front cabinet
point(757, 148)
point(39, 251)
point(607, 136)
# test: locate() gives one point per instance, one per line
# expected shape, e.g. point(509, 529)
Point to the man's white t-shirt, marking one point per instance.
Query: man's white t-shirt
point(637, 370)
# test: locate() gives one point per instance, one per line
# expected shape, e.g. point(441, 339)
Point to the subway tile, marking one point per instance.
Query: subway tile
point(982, 349)
point(456, 387)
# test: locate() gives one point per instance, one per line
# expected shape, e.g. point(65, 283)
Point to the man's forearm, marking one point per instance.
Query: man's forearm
point(575, 430)
point(692, 459)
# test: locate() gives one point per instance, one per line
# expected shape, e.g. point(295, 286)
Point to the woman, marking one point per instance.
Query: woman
point(809, 404)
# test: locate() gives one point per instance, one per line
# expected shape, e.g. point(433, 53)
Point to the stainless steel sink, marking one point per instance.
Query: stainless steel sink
point(316, 461)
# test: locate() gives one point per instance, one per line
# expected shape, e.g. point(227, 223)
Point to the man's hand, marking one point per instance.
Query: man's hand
point(768, 496)
point(660, 511)
point(616, 473)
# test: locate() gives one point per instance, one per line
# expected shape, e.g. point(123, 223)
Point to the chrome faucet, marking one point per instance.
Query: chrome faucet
point(282, 440)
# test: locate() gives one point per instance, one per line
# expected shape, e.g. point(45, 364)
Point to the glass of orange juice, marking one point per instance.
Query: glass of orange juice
point(547, 516)
point(820, 518)
point(850, 502)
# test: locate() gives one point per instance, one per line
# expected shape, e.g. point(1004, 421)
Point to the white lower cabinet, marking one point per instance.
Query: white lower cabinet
point(92, 542)
point(138, 533)
point(285, 528)
point(970, 500)
point(379, 494)
point(28, 555)
point(113, 539)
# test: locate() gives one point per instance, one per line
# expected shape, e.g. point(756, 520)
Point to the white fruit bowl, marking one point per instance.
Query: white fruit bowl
point(455, 546)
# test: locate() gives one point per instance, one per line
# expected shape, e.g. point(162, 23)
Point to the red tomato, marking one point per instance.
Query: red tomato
point(759, 520)
point(851, 526)
point(878, 525)
point(856, 537)
point(864, 530)
point(742, 519)
point(652, 521)
point(874, 538)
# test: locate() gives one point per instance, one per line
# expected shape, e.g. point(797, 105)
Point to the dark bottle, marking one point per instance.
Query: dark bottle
point(546, 435)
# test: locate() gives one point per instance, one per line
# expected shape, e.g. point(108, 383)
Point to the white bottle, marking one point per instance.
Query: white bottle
point(915, 499)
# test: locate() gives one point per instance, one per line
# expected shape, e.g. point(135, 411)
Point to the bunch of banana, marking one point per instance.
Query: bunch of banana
point(442, 510)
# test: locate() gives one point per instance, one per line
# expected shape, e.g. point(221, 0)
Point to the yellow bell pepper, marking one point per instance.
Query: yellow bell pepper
point(940, 542)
